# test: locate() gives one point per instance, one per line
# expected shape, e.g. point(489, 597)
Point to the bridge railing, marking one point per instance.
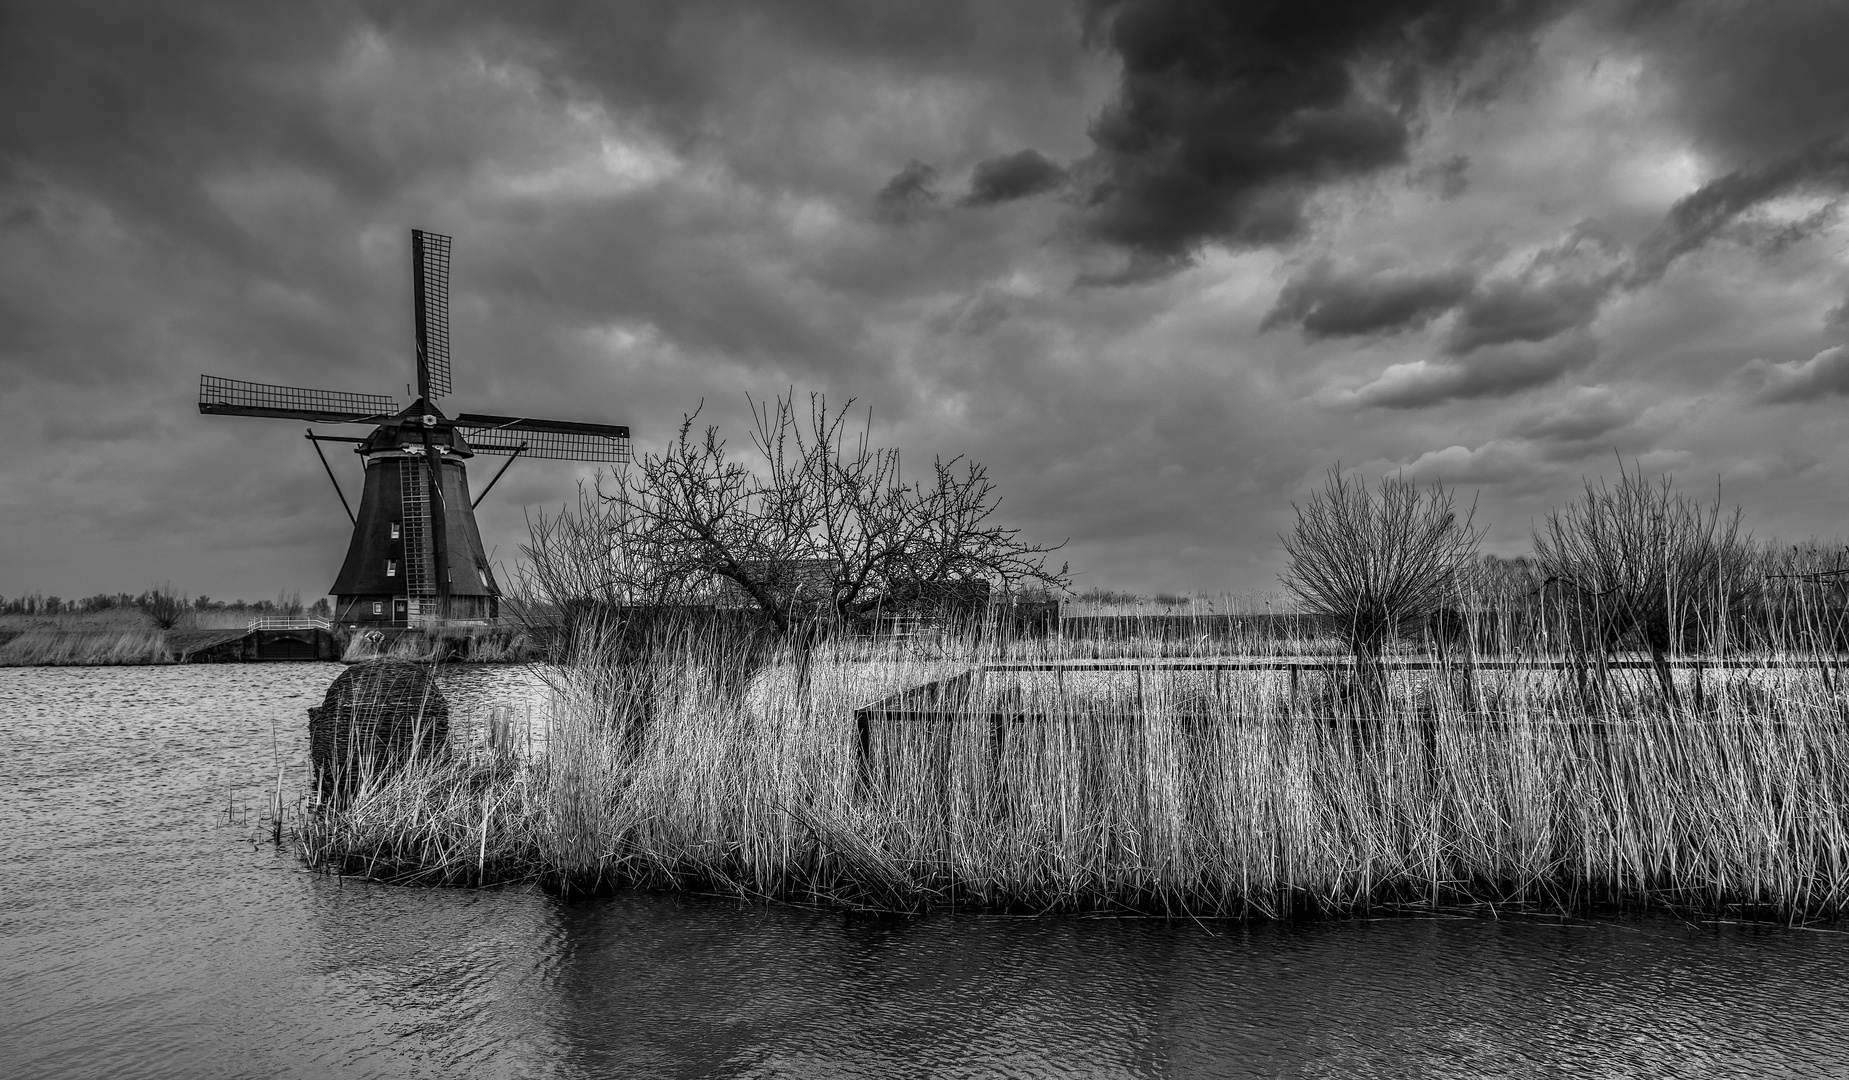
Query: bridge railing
point(287, 622)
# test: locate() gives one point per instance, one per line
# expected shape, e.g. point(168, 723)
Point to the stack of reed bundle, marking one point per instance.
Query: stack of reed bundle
point(376, 717)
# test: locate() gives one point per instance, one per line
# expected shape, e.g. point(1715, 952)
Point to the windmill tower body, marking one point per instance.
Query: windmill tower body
point(416, 556)
point(390, 573)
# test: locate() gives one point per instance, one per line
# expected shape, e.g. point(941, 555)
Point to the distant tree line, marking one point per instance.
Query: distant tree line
point(158, 602)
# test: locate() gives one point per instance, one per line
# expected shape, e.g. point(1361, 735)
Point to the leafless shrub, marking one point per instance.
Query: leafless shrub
point(1374, 562)
point(1641, 563)
point(164, 607)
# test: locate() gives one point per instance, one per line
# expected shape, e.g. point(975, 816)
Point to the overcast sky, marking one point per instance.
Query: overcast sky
point(1158, 264)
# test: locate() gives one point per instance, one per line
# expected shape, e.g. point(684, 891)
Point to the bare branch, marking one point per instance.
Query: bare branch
point(820, 528)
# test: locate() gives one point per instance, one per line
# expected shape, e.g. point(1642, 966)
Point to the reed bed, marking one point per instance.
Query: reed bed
point(1208, 794)
point(480, 646)
point(62, 647)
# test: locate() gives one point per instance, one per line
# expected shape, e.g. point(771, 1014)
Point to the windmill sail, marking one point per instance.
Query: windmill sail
point(235, 397)
point(560, 440)
point(430, 277)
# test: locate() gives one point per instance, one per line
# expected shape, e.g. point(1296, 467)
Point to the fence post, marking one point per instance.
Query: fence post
point(863, 742)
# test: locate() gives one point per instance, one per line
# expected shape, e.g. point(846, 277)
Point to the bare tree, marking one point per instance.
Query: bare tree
point(1644, 563)
point(1376, 561)
point(820, 528)
point(164, 607)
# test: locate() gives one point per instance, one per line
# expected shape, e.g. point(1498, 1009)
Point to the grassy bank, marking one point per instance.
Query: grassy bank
point(472, 645)
point(127, 636)
point(1235, 794)
point(79, 647)
point(118, 636)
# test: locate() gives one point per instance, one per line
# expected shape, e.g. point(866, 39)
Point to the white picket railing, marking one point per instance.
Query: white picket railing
point(288, 622)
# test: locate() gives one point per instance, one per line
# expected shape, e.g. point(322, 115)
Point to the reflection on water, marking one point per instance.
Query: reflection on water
point(143, 934)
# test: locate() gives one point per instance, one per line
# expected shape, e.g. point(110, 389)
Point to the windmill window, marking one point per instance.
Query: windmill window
point(378, 607)
point(394, 530)
point(391, 568)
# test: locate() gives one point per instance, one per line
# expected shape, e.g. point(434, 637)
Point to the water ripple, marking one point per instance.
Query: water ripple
point(143, 934)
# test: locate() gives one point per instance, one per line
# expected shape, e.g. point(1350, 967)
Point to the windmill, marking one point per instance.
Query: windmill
point(416, 555)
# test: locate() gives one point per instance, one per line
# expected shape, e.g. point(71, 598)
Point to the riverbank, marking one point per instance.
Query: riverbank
point(128, 638)
point(65, 648)
point(1201, 793)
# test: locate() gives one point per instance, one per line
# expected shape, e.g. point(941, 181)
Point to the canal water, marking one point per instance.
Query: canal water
point(147, 929)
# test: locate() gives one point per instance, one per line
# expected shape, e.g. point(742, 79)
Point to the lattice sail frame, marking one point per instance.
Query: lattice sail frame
point(555, 445)
point(218, 394)
point(430, 274)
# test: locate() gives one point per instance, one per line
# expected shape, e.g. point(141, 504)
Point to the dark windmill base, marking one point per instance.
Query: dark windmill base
point(380, 611)
point(390, 574)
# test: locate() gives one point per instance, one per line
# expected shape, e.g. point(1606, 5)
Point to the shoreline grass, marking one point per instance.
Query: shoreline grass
point(474, 645)
point(80, 648)
point(115, 639)
point(1143, 791)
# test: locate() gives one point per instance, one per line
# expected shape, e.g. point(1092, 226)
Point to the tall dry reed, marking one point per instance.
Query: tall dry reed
point(475, 645)
point(56, 647)
point(1236, 793)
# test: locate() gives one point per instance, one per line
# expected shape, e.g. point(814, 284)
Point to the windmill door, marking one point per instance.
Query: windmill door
point(401, 611)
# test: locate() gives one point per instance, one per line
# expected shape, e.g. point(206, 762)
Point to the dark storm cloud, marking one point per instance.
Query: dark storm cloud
point(908, 194)
point(1559, 291)
point(1697, 218)
point(1778, 123)
point(1327, 301)
point(1758, 83)
point(1562, 288)
point(1763, 89)
point(1823, 375)
point(1012, 176)
point(1490, 373)
point(116, 116)
point(1229, 116)
point(133, 98)
point(150, 112)
point(1519, 311)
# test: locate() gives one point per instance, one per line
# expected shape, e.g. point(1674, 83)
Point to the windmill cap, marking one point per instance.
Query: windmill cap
point(409, 429)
